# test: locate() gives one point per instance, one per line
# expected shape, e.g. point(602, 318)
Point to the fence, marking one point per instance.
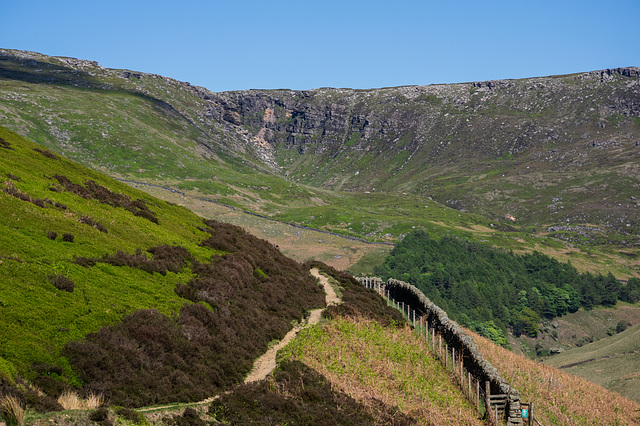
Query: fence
point(456, 350)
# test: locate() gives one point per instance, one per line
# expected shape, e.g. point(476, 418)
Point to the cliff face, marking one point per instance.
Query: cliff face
point(441, 125)
point(532, 147)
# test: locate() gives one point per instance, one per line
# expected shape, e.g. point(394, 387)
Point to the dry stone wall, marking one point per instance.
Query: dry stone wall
point(455, 338)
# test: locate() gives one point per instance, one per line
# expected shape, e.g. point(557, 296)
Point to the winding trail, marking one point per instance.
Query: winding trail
point(264, 365)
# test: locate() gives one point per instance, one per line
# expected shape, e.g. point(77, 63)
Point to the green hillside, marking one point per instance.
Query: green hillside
point(547, 164)
point(80, 251)
point(612, 362)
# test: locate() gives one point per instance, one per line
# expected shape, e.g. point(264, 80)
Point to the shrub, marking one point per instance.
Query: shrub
point(104, 195)
point(189, 417)
point(150, 358)
point(84, 261)
point(131, 415)
point(50, 385)
point(100, 415)
point(297, 394)
point(91, 222)
point(356, 299)
point(52, 235)
point(67, 237)
point(6, 145)
point(61, 283)
point(622, 326)
point(13, 191)
point(46, 153)
point(7, 370)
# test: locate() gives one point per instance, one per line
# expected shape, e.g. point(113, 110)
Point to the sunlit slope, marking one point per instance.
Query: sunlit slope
point(612, 362)
point(80, 251)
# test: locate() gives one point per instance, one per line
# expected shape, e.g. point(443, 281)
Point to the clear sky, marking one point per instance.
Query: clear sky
point(232, 45)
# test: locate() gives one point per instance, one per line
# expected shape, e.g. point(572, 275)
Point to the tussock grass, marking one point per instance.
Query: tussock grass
point(559, 398)
point(71, 401)
point(382, 367)
point(12, 409)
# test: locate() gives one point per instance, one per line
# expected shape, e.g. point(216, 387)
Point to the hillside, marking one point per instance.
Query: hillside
point(559, 398)
point(613, 362)
point(105, 289)
point(546, 164)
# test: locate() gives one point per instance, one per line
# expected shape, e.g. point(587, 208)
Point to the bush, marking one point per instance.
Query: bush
point(150, 358)
point(91, 222)
point(131, 415)
point(357, 300)
point(297, 394)
point(100, 415)
point(189, 417)
point(46, 153)
point(6, 145)
point(622, 326)
point(104, 195)
point(61, 283)
point(52, 235)
point(67, 237)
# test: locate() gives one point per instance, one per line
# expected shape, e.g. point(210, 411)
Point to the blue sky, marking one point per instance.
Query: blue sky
point(227, 45)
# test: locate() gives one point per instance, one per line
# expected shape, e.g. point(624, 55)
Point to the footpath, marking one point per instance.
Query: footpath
point(264, 365)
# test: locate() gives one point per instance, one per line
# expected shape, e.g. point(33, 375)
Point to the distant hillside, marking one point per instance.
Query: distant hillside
point(612, 362)
point(560, 150)
point(548, 149)
point(104, 288)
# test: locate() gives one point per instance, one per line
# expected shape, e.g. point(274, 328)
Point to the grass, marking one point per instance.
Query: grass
point(379, 365)
point(559, 397)
point(612, 362)
point(71, 401)
point(56, 290)
point(12, 409)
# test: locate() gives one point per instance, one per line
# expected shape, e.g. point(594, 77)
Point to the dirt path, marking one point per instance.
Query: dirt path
point(264, 365)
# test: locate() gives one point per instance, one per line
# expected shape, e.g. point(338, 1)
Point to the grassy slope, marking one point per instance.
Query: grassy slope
point(377, 365)
point(559, 397)
point(161, 131)
point(37, 318)
point(613, 362)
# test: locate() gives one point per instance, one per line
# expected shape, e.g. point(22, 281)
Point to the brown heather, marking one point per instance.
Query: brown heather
point(559, 398)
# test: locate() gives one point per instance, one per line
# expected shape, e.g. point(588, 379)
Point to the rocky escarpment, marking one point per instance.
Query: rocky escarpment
point(485, 146)
point(439, 125)
point(547, 150)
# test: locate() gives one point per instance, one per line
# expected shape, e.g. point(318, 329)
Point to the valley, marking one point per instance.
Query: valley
point(181, 210)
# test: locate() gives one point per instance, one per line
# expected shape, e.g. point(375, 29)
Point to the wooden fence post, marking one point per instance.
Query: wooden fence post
point(446, 353)
point(531, 418)
point(433, 338)
point(487, 395)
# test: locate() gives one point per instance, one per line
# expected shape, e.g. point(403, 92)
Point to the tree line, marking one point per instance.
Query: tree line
point(491, 290)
